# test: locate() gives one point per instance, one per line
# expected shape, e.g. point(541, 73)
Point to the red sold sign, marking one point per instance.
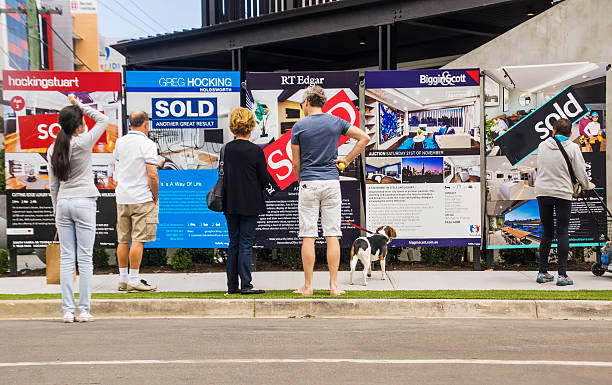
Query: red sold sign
point(39, 131)
point(341, 106)
point(278, 154)
point(279, 159)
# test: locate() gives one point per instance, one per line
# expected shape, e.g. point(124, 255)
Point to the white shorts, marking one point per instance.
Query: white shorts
point(320, 196)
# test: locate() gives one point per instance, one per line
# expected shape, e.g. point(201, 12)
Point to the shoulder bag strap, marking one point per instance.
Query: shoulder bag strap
point(567, 161)
point(221, 161)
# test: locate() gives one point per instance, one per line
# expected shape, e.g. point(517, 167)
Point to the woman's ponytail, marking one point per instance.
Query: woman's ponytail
point(70, 118)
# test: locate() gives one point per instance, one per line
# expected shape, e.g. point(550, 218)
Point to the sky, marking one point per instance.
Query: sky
point(431, 163)
point(159, 16)
point(529, 210)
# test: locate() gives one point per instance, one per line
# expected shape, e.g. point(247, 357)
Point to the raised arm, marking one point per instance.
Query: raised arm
point(91, 136)
point(362, 141)
point(53, 181)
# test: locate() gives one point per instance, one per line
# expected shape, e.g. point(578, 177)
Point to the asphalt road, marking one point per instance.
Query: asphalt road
point(375, 351)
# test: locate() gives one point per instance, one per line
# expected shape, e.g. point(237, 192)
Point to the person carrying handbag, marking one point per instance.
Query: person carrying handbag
point(74, 196)
point(561, 173)
point(244, 174)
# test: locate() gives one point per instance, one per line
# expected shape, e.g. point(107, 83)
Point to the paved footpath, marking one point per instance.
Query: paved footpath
point(307, 351)
point(398, 280)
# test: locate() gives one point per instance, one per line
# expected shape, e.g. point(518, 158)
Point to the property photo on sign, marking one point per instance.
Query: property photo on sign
point(537, 96)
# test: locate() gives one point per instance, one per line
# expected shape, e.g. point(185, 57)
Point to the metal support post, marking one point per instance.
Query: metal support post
point(13, 261)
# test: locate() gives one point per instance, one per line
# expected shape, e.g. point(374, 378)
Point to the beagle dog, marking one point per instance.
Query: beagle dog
point(366, 249)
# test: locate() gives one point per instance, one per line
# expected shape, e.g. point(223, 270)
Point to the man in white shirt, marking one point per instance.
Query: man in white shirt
point(137, 200)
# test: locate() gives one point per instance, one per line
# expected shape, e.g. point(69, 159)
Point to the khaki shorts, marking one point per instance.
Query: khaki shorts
point(322, 196)
point(137, 222)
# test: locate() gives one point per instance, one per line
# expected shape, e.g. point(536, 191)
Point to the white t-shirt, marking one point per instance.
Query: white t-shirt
point(132, 153)
point(592, 129)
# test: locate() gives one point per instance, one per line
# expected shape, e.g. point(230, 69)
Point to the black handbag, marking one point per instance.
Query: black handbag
point(577, 187)
point(214, 199)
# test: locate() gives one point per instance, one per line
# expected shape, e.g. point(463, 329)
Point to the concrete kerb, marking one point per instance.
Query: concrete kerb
point(321, 308)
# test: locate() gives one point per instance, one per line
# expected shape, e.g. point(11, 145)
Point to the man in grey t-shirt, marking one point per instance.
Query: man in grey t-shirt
point(314, 146)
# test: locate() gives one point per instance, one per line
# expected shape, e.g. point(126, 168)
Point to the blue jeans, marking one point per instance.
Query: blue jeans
point(241, 230)
point(75, 219)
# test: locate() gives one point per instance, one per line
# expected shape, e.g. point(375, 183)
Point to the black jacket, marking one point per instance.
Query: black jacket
point(246, 177)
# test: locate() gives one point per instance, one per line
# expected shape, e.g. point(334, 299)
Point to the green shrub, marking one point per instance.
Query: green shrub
point(202, 255)
point(519, 256)
point(446, 256)
point(291, 258)
point(181, 260)
point(4, 261)
point(100, 258)
point(154, 257)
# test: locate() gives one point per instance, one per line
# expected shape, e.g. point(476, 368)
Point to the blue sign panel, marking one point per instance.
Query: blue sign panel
point(189, 118)
point(184, 113)
point(193, 81)
point(184, 217)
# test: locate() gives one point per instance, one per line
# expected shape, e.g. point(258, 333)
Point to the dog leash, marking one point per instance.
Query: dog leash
point(359, 227)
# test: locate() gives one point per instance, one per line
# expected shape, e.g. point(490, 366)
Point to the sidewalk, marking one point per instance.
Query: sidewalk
point(397, 280)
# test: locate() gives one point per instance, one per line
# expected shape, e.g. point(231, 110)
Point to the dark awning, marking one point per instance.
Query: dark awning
point(336, 35)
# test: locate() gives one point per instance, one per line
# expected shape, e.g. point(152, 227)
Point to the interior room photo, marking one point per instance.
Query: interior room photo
point(276, 111)
point(103, 168)
point(512, 92)
point(26, 171)
point(507, 182)
point(51, 102)
point(383, 170)
point(462, 169)
point(440, 118)
point(181, 148)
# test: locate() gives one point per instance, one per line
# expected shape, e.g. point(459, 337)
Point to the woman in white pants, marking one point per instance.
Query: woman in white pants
point(74, 197)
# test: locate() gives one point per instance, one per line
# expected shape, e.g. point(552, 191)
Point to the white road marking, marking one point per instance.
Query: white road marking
point(311, 361)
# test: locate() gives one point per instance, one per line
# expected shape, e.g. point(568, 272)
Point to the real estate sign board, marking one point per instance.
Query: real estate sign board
point(536, 97)
point(422, 166)
point(189, 123)
point(275, 100)
point(32, 101)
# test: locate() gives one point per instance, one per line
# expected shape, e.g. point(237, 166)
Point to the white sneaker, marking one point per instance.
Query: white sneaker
point(86, 317)
point(140, 286)
point(68, 317)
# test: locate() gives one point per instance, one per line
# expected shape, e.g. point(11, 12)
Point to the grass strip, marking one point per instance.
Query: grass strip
point(598, 295)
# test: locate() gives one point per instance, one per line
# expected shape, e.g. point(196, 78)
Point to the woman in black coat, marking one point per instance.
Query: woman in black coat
point(245, 178)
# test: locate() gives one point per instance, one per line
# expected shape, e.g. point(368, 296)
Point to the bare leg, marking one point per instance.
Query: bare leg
point(308, 261)
point(333, 261)
point(136, 254)
point(123, 251)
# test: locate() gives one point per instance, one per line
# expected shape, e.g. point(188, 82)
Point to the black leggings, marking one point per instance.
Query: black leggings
point(563, 208)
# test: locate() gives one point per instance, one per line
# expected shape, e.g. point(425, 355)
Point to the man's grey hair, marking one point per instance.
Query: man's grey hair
point(315, 96)
point(138, 118)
